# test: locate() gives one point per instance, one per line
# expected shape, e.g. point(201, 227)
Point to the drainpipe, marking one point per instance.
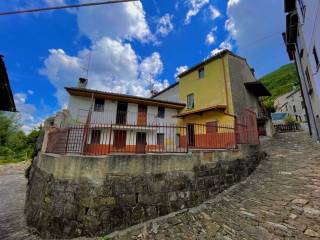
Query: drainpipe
point(225, 82)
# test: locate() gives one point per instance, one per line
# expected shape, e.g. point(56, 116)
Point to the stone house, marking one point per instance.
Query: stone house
point(293, 104)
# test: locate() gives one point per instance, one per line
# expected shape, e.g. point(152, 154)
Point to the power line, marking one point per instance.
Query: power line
point(64, 7)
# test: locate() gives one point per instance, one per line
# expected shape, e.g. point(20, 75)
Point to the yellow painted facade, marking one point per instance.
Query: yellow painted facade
point(212, 90)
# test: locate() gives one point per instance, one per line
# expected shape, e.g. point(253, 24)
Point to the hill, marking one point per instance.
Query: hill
point(279, 82)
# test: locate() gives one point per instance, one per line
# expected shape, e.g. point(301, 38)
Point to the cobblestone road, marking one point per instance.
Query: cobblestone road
point(280, 200)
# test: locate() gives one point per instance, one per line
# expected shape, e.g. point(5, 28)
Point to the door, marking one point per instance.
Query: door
point(122, 108)
point(142, 114)
point(191, 135)
point(119, 138)
point(141, 142)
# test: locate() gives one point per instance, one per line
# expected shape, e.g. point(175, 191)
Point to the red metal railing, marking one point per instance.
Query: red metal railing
point(98, 139)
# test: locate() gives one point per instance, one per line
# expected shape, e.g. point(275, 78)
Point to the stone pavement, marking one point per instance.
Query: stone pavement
point(12, 195)
point(280, 200)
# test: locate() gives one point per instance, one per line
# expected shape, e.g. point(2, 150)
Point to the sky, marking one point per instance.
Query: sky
point(128, 47)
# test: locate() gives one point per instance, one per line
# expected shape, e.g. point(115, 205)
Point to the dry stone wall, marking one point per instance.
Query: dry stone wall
point(72, 196)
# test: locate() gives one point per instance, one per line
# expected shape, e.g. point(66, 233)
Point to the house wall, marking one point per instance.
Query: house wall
point(308, 37)
point(172, 94)
point(214, 89)
point(241, 97)
point(79, 107)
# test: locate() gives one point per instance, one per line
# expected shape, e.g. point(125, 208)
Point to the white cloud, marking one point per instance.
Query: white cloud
point(232, 3)
point(230, 27)
point(180, 70)
point(215, 13)
point(165, 26)
point(194, 8)
point(117, 21)
point(26, 112)
point(256, 26)
point(226, 44)
point(210, 39)
point(30, 92)
point(115, 67)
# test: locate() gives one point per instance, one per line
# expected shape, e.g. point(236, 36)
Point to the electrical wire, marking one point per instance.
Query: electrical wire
point(64, 7)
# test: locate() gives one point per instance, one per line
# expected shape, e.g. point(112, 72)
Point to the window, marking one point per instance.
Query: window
point(95, 136)
point(308, 80)
point(160, 139)
point(301, 53)
point(201, 72)
point(294, 108)
point(99, 105)
point(303, 105)
point(212, 127)
point(190, 101)
point(161, 111)
point(316, 58)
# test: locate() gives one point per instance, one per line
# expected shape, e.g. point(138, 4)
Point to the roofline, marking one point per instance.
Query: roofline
point(210, 59)
point(293, 92)
point(7, 86)
point(166, 89)
point(125, 97)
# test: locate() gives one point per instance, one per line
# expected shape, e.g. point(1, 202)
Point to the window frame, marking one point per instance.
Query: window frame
point(308, 77)
point(212, 127)
point(188, 105)
point(161, 114)
point(201, 70)
point(98, 107)
point(316, 58)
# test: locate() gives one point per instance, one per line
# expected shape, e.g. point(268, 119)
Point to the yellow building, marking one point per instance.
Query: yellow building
point(216, 92)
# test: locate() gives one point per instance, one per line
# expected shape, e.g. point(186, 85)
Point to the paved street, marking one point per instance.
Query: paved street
point(280, 200)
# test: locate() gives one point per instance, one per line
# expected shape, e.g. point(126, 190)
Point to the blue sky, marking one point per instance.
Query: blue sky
point(130, 46)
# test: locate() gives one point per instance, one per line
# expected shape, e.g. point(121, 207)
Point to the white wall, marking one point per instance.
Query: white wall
point(171, 95)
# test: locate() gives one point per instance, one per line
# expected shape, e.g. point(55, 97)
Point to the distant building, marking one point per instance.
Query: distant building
point(293, 104)
point(6, 96)
point(302, 38)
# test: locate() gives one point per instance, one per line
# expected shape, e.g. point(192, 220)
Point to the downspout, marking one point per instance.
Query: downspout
point(225, 82)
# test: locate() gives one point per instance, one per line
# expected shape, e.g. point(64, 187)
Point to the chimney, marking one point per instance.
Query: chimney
point(82, 82)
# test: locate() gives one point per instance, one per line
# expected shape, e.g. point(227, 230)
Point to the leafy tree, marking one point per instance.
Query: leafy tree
point(14, 143)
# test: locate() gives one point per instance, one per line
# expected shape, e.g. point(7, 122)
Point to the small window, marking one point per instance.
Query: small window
point(161, 111)
point(294, 108)
point(201, 72)
point(301, 53)
point(316, 58)
point(308, 80)
point(160, 139)
point(190, 101)
point(95, 136)
point(212, 127)
point(99, 105)
point(303, 105)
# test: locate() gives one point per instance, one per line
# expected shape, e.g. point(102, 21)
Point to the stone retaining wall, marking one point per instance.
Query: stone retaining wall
point(71, 196)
